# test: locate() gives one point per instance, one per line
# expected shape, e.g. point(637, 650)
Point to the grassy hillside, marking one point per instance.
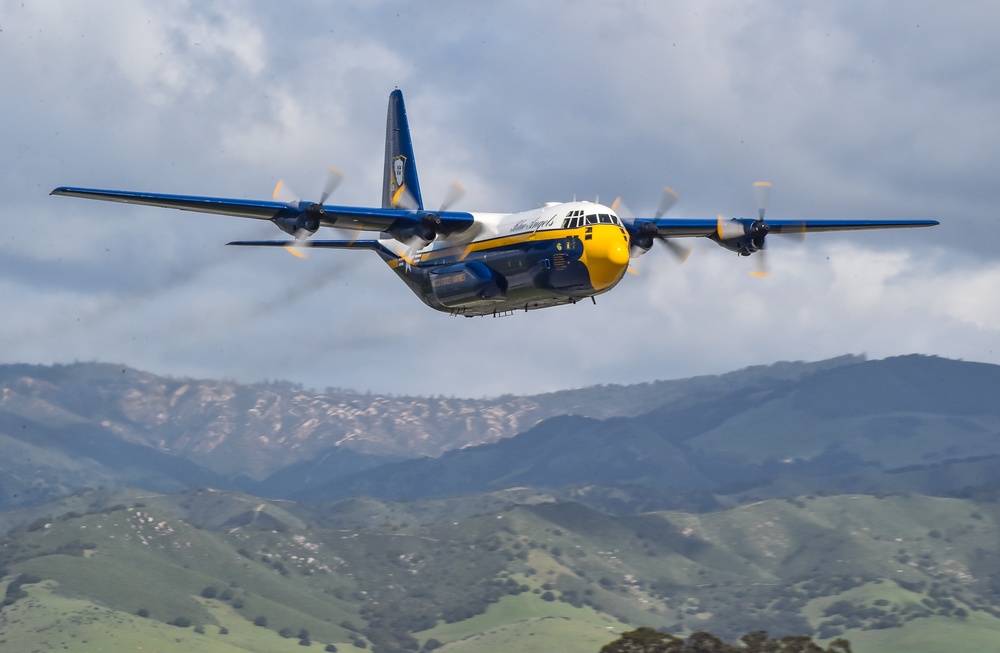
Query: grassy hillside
point(887, 572)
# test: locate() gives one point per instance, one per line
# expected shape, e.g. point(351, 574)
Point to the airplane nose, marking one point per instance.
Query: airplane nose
point(607, 257)
point(618, 254)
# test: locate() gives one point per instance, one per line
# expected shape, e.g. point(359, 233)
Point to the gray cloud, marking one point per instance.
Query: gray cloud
point(849, 109)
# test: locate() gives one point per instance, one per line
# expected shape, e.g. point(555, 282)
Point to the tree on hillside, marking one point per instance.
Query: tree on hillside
point(648, 640)
point(644, 640)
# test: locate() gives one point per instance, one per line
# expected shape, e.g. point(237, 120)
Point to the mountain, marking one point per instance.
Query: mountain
point(64, 427)
point(905, 424)
point(910, 423)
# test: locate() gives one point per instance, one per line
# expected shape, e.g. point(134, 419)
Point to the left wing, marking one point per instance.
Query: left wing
point(295, 215)
point(694, 227)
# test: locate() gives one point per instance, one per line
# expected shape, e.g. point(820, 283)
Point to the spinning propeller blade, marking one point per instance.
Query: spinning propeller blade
point(762, 189)
point(283, 193)
point(455, 192)
point(670, 197)
point(333, 179)
point(404, 199)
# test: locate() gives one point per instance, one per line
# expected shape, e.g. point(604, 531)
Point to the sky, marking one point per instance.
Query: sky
point(850, 109)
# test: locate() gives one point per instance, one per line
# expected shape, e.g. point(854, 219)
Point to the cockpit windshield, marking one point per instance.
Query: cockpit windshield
point(577, 218)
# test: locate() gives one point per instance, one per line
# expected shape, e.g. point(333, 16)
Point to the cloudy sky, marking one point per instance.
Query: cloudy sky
point(851, 109)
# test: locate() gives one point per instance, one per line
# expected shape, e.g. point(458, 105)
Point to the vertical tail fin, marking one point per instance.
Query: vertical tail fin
point(400, 188)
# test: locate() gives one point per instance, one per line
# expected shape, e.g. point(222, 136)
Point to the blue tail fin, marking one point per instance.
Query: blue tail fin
point(400, 187)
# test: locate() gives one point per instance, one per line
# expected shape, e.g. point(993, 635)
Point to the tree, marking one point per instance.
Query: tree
point(644, 640)
point(648, 640)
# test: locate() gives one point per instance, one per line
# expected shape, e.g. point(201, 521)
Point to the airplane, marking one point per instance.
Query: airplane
point(476, 263)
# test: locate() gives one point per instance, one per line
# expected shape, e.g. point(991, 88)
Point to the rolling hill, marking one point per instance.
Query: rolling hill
point(560, 572)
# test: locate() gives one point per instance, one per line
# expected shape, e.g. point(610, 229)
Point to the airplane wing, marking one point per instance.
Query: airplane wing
point(695, 227)
point(347, 217)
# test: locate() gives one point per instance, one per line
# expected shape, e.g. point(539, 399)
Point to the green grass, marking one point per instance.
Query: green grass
point(163, 564)
point(527, 623)
point(46, 621)
point(980, 633)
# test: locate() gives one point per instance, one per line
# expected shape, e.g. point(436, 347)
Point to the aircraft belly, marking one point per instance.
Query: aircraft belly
point(529, 275)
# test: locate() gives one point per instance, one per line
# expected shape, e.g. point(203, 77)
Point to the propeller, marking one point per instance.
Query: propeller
point(762, 189)
point(647, 231)
point(310, 217)
point(759, 229)
point(454, 193)
point(669, 198)
point(750, 237)
point(430, 223)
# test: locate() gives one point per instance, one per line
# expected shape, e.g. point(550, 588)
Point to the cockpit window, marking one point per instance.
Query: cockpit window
point(605, 218)
point(591, 218)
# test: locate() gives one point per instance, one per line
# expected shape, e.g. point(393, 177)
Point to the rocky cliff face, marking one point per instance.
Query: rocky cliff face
point(252, 429)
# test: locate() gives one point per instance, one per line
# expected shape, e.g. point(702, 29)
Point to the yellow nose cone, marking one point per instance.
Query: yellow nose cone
point(606, 256)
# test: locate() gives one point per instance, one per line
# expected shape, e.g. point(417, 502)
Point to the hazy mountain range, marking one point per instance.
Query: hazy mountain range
point(911, 423)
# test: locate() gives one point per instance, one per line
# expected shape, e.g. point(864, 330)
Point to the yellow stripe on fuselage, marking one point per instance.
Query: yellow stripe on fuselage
point(605, 250)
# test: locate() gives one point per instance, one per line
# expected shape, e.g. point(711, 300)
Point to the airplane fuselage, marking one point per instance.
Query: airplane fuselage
point(557, 254)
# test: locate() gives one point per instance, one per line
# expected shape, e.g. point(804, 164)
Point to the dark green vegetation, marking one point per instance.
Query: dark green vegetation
point(844, 498)
point(649, 640)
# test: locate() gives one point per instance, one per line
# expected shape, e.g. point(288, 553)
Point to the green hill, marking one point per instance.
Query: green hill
point(558, 575)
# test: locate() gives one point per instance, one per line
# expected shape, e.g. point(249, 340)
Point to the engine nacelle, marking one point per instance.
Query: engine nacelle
point(418, 232)
point(742, 236)
point(641, 239)
point(467, 284)
point(307, 221)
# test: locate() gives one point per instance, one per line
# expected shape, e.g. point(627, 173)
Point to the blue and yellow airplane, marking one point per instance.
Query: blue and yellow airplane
point(471, 264)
